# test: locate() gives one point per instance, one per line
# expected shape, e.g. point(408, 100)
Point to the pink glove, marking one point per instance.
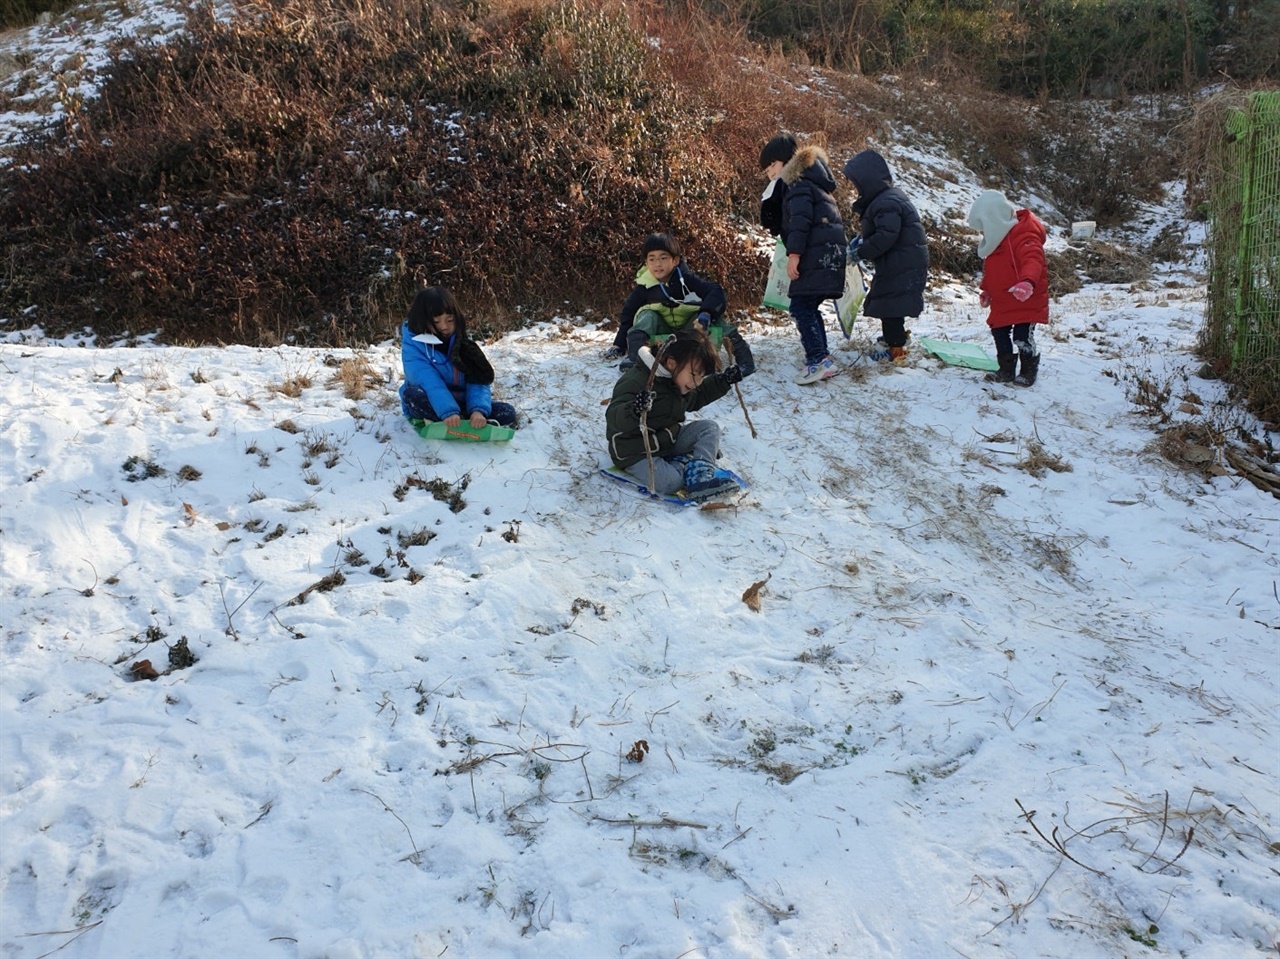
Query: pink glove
point(984, 299)
point(1022, 291)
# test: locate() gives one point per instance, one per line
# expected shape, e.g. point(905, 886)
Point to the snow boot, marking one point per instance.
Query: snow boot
point(703, 481)
point(1008, 367)
point(635, 340)
point(1030, 368)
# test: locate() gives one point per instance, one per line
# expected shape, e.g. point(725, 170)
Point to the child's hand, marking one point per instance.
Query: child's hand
point(704, 320)
point(478, 420)
point(1022, 291)
point(643, 402)
point(984, 299)
point(732, 374)
point(793, 266)
point(452, 421)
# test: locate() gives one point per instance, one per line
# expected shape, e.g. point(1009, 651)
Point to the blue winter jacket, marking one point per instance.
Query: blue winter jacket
point(811, 224)
point(893, 238)
point(426, 364)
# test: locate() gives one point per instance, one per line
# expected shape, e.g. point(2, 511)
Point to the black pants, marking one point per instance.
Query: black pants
point(1019, 338)
point(894, 330)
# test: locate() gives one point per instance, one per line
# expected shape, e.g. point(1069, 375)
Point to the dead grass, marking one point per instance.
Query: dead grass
point(356, 377)
point(1036, 460)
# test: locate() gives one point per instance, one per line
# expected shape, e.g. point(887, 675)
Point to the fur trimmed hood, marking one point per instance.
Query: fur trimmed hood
point(812, 163)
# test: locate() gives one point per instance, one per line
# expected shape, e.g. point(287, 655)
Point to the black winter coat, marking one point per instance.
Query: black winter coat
point(892, 237)
point(811, 224)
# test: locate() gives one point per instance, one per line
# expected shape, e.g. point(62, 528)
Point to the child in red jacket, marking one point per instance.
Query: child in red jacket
point(1015, 283)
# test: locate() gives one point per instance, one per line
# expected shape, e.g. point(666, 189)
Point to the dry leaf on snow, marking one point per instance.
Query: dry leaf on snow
point(752, 596)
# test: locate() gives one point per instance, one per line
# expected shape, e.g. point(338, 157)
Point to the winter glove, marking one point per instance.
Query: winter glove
point(1022, 291)
point(732, 374)
point(643, 402)
point(984, 299)
point(853, 251)
point(704, 320)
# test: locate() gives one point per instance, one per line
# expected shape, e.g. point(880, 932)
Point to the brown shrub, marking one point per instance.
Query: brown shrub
point(295, 174)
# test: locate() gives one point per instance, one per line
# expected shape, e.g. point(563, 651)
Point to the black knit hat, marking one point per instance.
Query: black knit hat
point(781, 147)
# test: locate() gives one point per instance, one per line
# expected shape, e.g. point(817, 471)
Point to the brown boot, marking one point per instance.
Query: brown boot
point(897, 354)
point(1008, 367)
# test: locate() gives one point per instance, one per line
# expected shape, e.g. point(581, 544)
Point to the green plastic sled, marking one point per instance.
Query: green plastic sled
point(436, 430)
point(960, 354)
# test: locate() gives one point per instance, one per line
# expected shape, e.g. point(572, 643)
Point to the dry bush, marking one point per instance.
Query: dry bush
point(1093, 168)
point(1096, 261)
point(356, 377)
point(1193, 446)
point(295, 174)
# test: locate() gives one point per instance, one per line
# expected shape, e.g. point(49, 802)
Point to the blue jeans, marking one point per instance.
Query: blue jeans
point(418, 407)
point(813, 332)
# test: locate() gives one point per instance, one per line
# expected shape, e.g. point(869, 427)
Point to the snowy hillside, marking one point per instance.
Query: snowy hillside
point(970, 670)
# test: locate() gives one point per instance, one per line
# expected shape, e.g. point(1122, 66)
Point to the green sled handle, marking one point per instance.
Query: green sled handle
point(437, 430)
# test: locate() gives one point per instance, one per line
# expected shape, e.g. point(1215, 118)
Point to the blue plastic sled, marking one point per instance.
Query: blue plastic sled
point(675, 499)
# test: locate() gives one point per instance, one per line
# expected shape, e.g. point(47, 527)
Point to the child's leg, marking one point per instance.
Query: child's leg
point(1005, 356)
point(1024, 340)
point(668, 476)
point(414, 403)
point(813, 332)
point(504, 414)
point(648, 323)
point(894, 329)
point(698, 440)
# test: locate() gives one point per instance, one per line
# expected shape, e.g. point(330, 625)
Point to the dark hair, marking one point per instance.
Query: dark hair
point(661, 241)
point(465, 355)
point(687, 346)
point(433, 301)
point(781, 147)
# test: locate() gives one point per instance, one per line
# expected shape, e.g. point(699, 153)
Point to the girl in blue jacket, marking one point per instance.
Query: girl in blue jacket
point(446, 375)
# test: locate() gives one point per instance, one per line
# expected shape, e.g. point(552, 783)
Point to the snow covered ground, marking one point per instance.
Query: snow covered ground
point(1010, 689)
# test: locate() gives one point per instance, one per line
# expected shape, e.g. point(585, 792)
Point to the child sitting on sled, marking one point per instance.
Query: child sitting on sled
point(645, 422)
point(669, 296)
point(446, 375)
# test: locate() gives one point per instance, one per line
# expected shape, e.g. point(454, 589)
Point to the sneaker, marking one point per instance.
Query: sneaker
point(822, 370)
point(612, 353)
point(704, 481)
point(895, 354)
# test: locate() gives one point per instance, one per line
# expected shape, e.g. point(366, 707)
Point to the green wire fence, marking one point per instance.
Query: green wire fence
point(1242, 325)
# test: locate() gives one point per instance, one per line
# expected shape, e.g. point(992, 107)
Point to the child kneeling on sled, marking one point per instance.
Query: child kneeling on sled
point(668, 296)
point(645, 421)
point(446, 375)
point(1015, 283)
